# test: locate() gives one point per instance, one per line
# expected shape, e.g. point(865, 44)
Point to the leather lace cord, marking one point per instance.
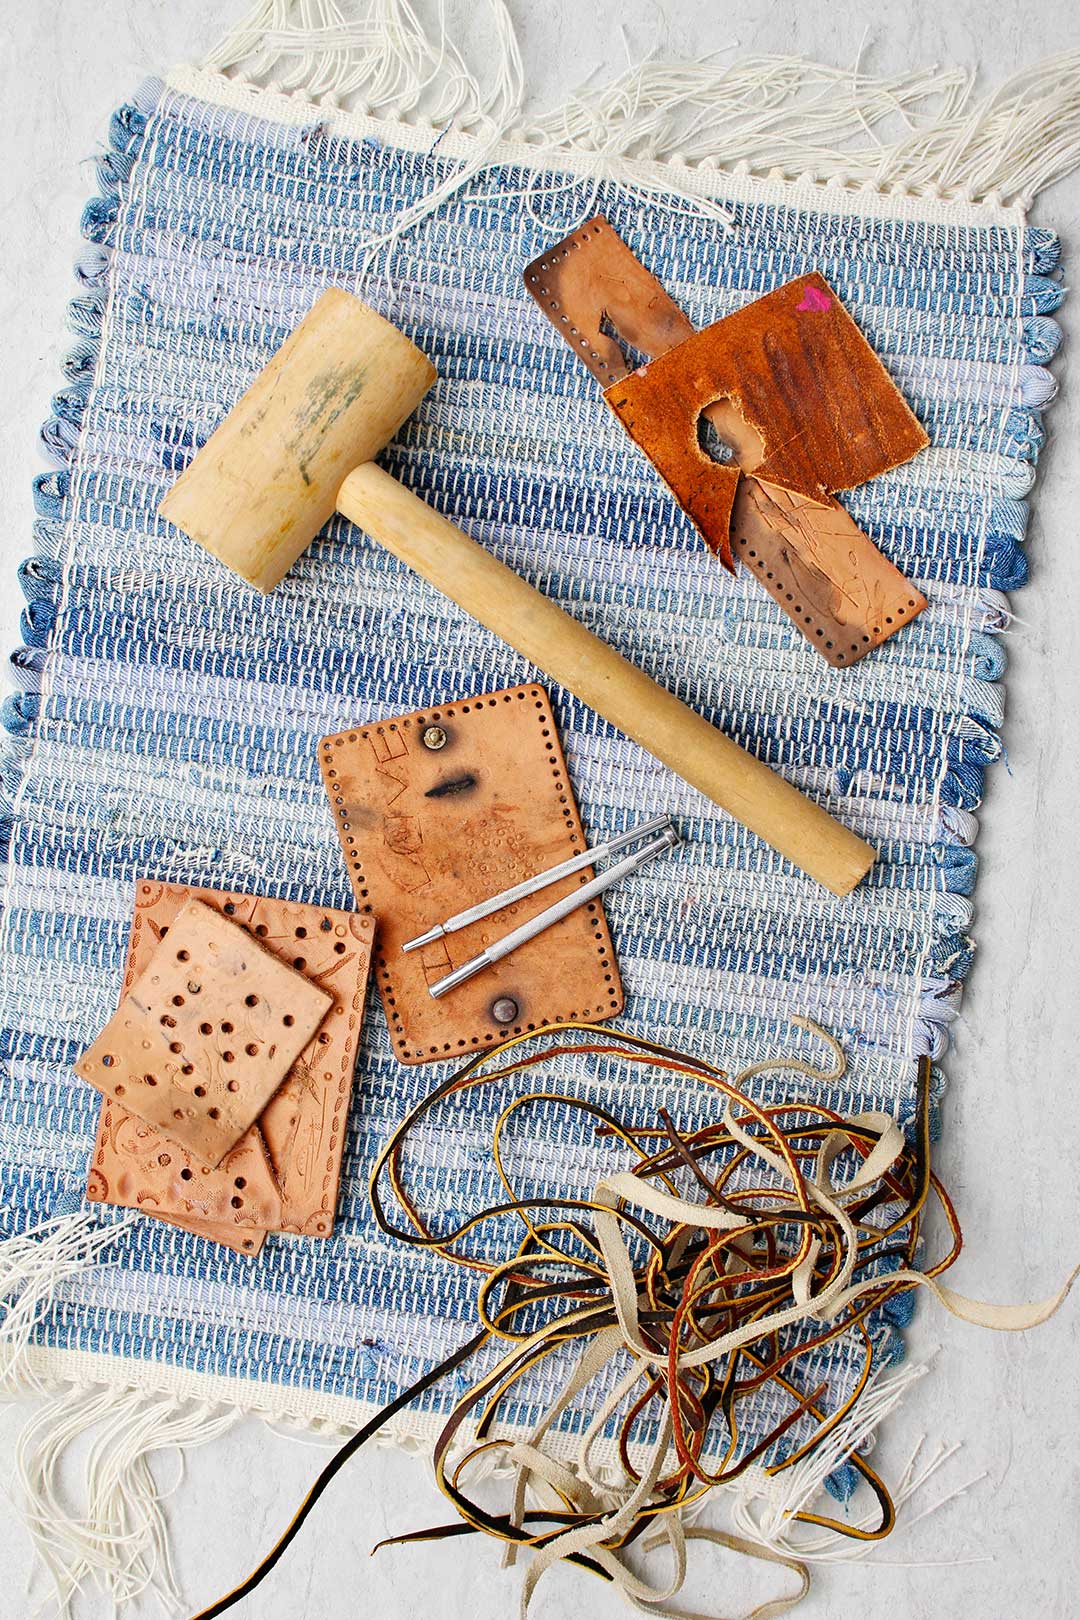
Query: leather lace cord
point(710, 1266)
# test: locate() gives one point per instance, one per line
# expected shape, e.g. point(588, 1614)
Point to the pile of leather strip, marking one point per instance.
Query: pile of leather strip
point(717, 1265)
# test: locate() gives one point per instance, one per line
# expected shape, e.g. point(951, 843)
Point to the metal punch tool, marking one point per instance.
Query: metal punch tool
point(667, 836)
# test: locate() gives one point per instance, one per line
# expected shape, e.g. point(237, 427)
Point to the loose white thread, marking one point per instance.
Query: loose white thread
point(763, 1506)
point(116, 1537)
point(769, 114)
point(33, 1269)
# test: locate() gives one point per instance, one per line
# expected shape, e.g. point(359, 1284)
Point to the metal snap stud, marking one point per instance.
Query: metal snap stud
point(504, 1009)
point(434, 737)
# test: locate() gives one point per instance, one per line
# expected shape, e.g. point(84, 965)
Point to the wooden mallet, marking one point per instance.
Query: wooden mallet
point(300, 445)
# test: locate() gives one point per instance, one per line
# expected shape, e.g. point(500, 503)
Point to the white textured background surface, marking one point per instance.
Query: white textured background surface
point(1011, 1119)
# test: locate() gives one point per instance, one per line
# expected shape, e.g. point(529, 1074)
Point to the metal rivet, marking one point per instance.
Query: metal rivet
point(434, 737)
point(504, 1009)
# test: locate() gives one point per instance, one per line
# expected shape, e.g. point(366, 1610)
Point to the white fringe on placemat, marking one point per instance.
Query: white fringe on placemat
point(33, 1268)
point(116, 1534)
point(111, 1532)
point(923, 132)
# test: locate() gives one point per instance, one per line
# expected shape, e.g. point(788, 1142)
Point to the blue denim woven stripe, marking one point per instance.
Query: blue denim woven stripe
point(177, 732)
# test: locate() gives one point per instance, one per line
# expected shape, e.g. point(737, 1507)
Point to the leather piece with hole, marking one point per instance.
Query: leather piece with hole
point(206, 1033)
point(828, 576)
point(302, 1129)
point(795, 368)
point(427, 832)
point(139, 1167)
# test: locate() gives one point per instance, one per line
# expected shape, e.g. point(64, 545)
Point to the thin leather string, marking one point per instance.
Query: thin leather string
point(685, 1306)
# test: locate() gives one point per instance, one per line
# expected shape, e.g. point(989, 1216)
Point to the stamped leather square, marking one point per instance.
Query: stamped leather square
point(303, 1126)
point(206, 1034)
point(246, 1240)
point(439, 809)
point(151, 1172)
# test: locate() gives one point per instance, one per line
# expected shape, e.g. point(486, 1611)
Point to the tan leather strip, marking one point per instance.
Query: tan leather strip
point(683, 1300)
point(593, 277)
point(829, 578)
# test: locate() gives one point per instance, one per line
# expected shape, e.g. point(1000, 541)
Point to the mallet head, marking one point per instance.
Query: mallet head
point(267, 480)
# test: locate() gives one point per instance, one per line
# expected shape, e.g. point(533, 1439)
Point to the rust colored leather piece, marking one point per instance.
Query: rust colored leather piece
point(823, 570)
point(206, 1033)
point(807, 551)
point(427, 831)
point(796, 368)
point(661, 416)
point(302, 1128)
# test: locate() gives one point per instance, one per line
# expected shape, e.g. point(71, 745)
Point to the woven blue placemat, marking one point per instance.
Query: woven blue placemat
point(167, 718)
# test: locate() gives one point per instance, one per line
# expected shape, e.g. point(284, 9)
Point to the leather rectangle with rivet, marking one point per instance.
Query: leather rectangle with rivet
point(438, 810)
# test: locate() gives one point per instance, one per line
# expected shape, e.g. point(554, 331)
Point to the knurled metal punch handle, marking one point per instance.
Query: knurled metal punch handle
point(562, 908)
point(539, 880)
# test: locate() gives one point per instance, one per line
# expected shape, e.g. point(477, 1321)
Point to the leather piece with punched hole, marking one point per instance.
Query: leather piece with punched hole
point(206, 1034)
point(797, 369)
point(301, 1129)
point(137, 1166)
point(768, 361)
point(429, 831)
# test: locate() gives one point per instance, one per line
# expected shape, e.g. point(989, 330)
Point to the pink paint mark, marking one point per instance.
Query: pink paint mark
point(815, 300)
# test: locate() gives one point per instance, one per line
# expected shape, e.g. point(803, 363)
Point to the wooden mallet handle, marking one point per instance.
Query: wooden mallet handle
point(272, 473)
point(556, 643)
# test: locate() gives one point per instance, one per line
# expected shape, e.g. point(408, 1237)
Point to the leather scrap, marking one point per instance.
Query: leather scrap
point(206, 1033)
point(797, 369)
point(429, 830)
point(820, 567)
point(137, 1165)
point(796, 393)
point(592, 280)
point(302, 1128)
